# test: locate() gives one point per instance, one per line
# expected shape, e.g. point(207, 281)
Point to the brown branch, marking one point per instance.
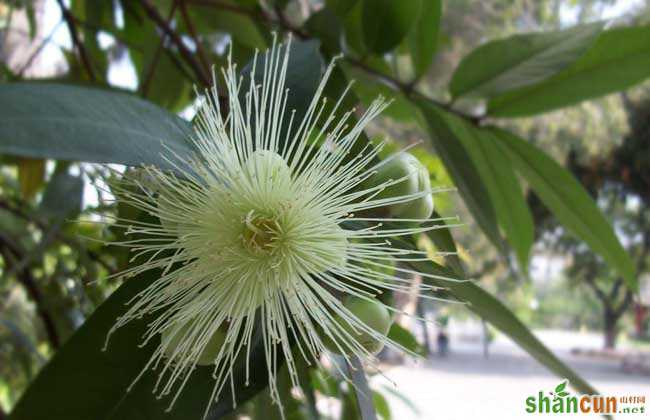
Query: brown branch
point(144, 89)
point(12, 253)
point(81, 50)
point(408, 89)
point(185, 52)
point(203, 58)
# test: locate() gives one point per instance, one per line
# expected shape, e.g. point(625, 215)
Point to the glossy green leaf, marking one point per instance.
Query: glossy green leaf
point(493, 166)
point(617, 60)
point(568, 201)
point(466, 177)
point(520, 60)
point(496, 313)
point(423, 38)
point(89, 125)
point(386, 22)
point(84, 382)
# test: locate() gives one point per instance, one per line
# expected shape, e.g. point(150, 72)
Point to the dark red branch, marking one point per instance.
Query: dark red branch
point(79, 46)
point(184, 51)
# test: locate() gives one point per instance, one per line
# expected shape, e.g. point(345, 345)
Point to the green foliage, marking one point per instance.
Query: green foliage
point(568, 200)
point(423, 38)
point(465, 177)
point(385, 23)
point(618, 59)
point(99, 379)
point(493, 168)
point(53, 121)
point(520, 60)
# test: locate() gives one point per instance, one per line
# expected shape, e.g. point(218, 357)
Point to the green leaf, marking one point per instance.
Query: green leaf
point(403, 398)
point(381, 405)
point(496, 313)
point(444, 242)
point(560, 387)
point(505, 193)
point(568, 201)
point(466, 177)
point(90, 125)
point(423, 38)
point(386, 22)
point(404, 337)
point(340, 7)
point(326, 26)
point(168, 86)
point(520, 60)
point(304, 72)
point(353, 29)
point(84, 382)
point(618, 59)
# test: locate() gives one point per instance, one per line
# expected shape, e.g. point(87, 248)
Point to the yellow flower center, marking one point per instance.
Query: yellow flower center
point(261, 233)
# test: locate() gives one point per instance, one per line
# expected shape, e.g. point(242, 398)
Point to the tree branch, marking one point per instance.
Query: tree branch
point(203, 58)
point(408, 89)
point(81, 50)
point(144, 88)
point(185, 52)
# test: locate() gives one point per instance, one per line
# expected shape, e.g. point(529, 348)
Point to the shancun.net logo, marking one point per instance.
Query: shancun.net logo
point(560, 401)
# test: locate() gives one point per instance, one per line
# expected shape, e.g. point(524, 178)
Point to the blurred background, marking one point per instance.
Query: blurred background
point(53, 277)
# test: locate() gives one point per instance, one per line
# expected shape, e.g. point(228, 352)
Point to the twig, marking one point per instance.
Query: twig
point(190, 28)
point(187, 55)
point(156, 56)
point(38, 50)
point(69, 19)
point(407, 89)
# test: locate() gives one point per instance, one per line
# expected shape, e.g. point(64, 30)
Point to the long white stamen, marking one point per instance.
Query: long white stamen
point(255, 235)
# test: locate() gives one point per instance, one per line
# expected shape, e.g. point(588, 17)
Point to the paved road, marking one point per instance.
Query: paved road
point(466, 386)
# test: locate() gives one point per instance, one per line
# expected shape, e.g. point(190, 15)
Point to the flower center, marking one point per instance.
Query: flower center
point(261, 233)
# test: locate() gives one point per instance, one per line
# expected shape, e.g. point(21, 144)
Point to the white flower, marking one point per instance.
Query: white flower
point(261, 234)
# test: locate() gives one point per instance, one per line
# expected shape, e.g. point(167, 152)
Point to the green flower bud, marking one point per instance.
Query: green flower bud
point(172, 341)
point(417, 180)
point(264, 164)
point(373, 314)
